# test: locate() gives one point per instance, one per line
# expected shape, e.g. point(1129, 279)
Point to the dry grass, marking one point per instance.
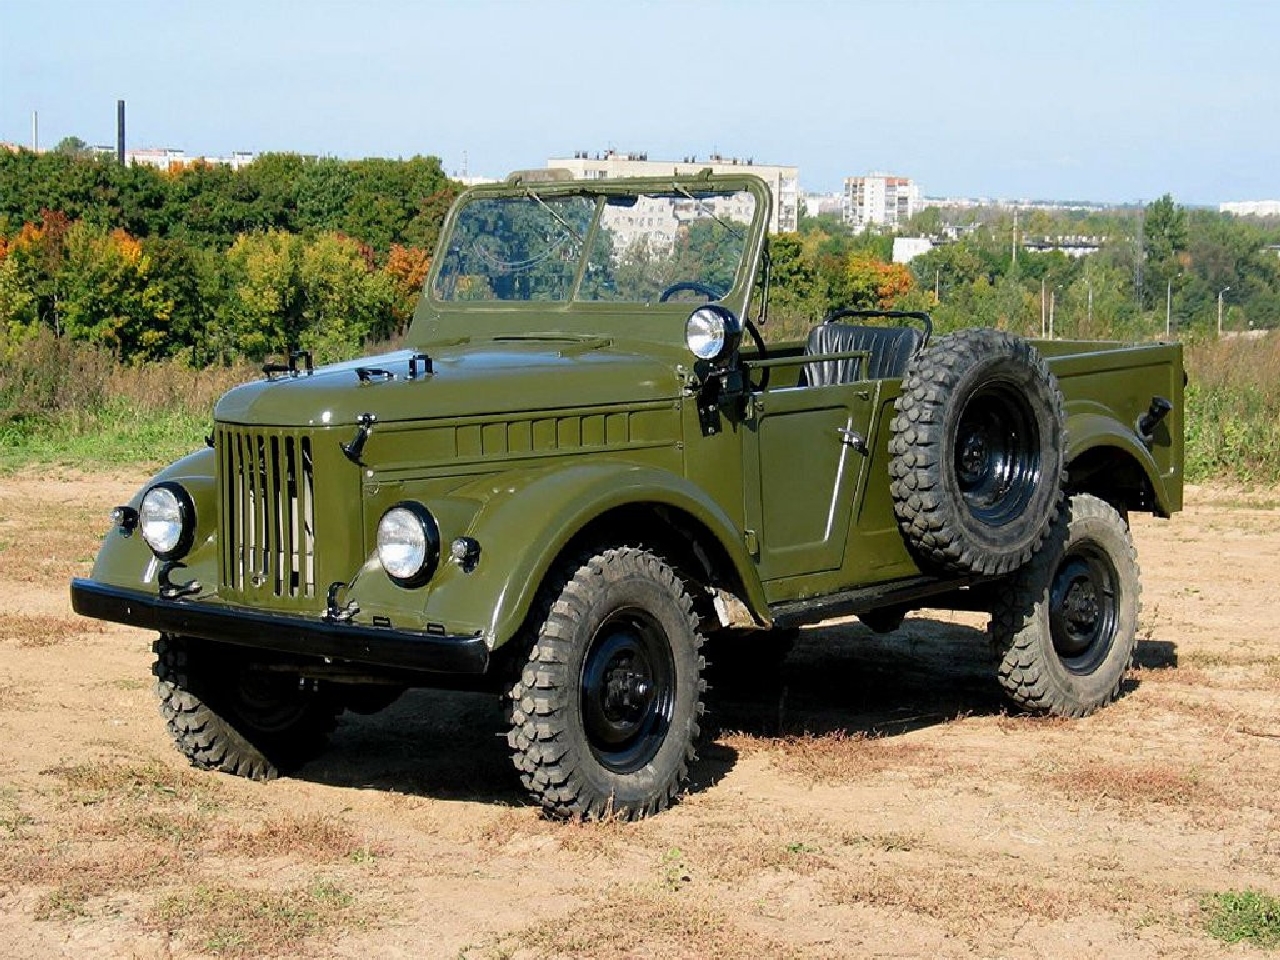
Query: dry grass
point(228, 920)
point(77, 879)
point(630, 921)
point(964, 900)
point(1132, 785)
point(837, 757)
point(314, 838)
point(37, 630)
point(133, 784)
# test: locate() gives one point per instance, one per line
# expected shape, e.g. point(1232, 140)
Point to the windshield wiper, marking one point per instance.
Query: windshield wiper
point(558, 219)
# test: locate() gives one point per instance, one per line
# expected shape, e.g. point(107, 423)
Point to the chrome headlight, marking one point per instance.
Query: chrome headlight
point(713, 332)
point(167, 518)
point(408, 544)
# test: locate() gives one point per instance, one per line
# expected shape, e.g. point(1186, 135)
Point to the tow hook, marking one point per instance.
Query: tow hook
point(334, 612)
point(175, 591)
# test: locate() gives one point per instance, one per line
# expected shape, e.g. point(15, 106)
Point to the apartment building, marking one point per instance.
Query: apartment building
point(783, 182)
point(880, 199)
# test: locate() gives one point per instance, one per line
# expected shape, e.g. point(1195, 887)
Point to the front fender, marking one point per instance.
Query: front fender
point(125, 560)
point(526, 520)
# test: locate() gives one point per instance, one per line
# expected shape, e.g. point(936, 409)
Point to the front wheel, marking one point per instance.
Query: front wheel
point(225, 713)
point(605, 711)
point(1066, 627)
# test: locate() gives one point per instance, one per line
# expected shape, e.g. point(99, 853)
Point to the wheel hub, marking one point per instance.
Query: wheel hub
point(627, 691)
point(973, 458)
point(1080, 605)
point(1083, 608)
point(996, 458)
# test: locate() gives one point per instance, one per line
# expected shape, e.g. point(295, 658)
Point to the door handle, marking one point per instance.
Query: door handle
point(852, 438)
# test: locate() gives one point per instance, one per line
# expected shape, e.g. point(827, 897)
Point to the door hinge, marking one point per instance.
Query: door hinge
point(751, 542)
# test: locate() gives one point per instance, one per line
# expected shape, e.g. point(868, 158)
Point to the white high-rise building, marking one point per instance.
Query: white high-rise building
point(783, 182)
point(881, 199)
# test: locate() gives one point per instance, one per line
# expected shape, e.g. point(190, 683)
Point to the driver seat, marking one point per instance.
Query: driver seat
point(889, 351)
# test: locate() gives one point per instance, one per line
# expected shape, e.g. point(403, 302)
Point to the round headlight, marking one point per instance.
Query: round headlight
point(167, 518)
point(408, 544)
point(713, 332)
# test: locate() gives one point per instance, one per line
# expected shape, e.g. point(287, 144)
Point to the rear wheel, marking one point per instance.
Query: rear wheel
point(1066, 628)
point(226, 713)
point(605, 711)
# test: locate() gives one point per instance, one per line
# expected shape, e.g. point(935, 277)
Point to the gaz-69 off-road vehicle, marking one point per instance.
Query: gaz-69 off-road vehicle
point(586, 460)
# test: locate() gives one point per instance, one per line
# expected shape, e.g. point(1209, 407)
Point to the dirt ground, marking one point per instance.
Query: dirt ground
point(878, 802)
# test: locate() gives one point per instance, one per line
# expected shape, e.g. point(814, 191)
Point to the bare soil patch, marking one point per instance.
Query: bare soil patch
point(877, 800)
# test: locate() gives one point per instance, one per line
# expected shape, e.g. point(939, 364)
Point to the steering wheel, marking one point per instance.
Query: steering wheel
point(711, 293)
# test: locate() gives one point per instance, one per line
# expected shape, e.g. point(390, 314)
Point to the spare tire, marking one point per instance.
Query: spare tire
point(979, 451)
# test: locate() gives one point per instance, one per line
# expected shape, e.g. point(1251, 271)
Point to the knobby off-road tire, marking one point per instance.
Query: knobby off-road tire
point(1066, 627)
point(224, 716)
point(979, 450)
point(604, 714)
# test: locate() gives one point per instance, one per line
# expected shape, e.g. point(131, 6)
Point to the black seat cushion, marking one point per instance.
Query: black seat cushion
point(889, 349)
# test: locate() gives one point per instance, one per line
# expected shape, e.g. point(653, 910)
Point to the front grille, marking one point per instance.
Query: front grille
point(268, 512)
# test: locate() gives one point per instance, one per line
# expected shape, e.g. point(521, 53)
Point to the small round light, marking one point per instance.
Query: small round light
point(167, 518)
point(712, 332)
point(408, 544)
point(465, 552)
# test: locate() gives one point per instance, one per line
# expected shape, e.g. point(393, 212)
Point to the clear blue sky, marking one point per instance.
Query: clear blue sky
point(1044, 99)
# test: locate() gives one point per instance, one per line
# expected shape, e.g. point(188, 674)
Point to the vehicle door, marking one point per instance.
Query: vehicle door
point(805, 453)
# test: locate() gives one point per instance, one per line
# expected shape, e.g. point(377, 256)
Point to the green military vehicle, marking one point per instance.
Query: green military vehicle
point(587, 460)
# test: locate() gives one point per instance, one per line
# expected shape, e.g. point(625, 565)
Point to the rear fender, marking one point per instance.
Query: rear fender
point(1092, 433)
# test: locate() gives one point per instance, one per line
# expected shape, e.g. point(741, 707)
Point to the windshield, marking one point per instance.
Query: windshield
point(639, 248)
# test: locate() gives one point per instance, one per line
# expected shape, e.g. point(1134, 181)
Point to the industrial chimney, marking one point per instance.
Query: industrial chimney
point(120, 131)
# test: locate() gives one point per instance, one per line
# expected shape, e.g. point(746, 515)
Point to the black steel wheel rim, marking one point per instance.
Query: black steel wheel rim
point(997, 454)
point(1084, 603)
point(627, 690)
point(270, 702)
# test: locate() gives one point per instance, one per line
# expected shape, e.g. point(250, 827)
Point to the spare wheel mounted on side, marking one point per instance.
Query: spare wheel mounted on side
point(979, 448)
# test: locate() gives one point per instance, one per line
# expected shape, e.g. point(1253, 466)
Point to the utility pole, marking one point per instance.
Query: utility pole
point(1168, 312)
point(1053, 299)
point(120, 132)
point(35, 132)
point(1043, 307)
point(1091, 308)
point(1140, 254)
point(1220, 293)
point(1015, 235)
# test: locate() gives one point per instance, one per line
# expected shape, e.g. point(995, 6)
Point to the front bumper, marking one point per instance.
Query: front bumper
point(378, 646)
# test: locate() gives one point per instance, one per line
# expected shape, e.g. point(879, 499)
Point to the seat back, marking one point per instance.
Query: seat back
point(889, 350)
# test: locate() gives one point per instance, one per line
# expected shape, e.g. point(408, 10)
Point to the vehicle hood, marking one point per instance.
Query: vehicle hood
point(470, 379)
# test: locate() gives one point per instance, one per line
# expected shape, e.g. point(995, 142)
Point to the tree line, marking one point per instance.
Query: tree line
point(210, 264)
point(1158, 266)
point(213, 264)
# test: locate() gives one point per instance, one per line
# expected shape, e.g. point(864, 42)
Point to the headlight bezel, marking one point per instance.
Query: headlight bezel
point(186, 520)
point(430, 529)
point(720, 326)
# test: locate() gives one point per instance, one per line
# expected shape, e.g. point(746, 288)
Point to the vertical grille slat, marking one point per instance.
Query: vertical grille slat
point(268, 509)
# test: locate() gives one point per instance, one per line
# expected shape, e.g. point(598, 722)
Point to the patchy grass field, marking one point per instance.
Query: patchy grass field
point(876, 801)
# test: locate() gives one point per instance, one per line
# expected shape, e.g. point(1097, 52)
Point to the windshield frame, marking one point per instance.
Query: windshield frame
point(437, 318)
